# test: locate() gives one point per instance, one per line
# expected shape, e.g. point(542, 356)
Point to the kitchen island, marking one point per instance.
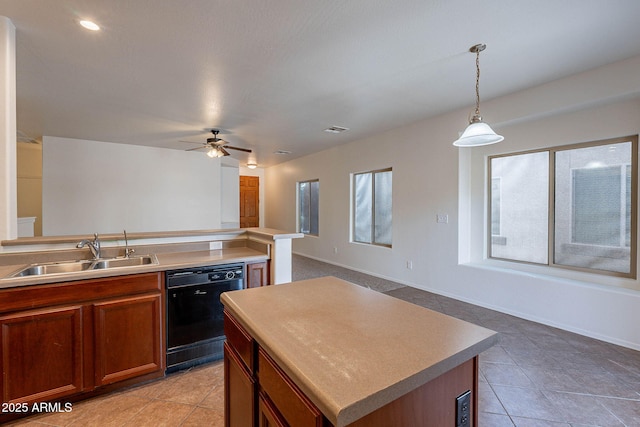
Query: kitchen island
point(327, 352)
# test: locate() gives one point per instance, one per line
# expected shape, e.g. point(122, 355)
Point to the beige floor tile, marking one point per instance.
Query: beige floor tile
point(215, 399)
point(204, 417)
point(112, 411)
point(26, 423)
point(209, 375)
point(161, 414)
point(78, 411)
point(153, 389)
point(184, 392)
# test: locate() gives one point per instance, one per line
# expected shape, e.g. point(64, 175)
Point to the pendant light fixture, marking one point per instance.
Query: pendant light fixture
point(478, 132)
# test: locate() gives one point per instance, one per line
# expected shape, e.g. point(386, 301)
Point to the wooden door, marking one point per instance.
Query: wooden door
point(127, 338)
point(41, 354)
point(249, 201)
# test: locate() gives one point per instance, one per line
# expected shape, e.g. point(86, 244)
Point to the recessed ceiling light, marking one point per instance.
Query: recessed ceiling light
point(336, 129)
point(90, 25)
point(282, 152)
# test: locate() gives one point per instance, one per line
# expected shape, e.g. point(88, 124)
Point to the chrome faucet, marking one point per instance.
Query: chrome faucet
point(94, 245)
point(127, 251)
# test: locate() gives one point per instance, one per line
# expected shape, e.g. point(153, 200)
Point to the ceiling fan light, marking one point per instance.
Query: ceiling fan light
point(476, 134)
point(213, 152)
point(90, 25)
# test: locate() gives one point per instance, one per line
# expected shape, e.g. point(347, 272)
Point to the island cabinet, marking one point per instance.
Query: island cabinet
point(325, 352)
point(62, 340)
point(257, 391)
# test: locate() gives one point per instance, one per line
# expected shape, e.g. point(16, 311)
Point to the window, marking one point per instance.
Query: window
point(372, 207)
point(308, 198)
point(587, 223)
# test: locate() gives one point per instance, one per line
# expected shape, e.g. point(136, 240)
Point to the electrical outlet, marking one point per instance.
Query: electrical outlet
point(463, 409)
point(409, 265)
point(335, 249)
point(442, 218)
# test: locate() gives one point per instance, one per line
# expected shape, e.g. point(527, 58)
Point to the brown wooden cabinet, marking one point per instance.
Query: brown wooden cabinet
point(268, 414)
point(257, 391)
point(62, 340)
point(127, 341)
point(257, 274)
point(288, 402)
point(41, 354)
point(239, 374)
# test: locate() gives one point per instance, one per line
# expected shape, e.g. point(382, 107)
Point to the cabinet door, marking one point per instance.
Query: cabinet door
point(41, 354)
point(128, 338)
point(239, 391)
point(257, 275)
point(268, 415)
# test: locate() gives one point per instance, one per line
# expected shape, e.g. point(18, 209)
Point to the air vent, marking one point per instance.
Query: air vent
point(282, 152)
point(336, 129)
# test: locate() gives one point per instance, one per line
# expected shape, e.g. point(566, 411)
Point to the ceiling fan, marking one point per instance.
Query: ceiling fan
point(216, 147)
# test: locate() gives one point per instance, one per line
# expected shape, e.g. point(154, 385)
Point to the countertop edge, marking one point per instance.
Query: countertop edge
point(354, 412)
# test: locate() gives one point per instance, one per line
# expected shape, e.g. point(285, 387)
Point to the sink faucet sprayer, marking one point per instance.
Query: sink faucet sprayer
point(94, 245)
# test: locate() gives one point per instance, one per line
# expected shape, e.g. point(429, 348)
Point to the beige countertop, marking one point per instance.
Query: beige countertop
point(166, 261)
point(352, 350)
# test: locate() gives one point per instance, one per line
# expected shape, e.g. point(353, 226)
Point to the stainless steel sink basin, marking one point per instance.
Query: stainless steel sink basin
point(125, 262)
point(53, 268)
point(84, 265)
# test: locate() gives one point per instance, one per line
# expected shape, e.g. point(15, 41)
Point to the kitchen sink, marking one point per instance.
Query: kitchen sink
point(84, 265)
point(131, 261)
point(53, 268)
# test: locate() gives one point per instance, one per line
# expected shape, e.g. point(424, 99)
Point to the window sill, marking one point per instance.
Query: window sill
point(555, 274)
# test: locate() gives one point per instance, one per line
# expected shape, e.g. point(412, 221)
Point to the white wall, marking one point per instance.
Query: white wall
point(91, 186)
point(431, 177)
point(230, 191)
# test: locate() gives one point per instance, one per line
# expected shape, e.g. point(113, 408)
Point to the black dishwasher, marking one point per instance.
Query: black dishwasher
point(195, 324)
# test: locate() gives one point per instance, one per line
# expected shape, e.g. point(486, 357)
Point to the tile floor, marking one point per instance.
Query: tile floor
point(537, 376)
point(191, 398)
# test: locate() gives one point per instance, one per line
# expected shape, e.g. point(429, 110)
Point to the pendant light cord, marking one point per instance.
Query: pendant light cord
point(477, 82)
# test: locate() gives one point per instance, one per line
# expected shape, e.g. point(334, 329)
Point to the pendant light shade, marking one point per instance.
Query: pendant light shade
point(478, 132)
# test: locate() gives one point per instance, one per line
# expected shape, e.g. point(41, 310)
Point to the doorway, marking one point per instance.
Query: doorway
point(249, 201)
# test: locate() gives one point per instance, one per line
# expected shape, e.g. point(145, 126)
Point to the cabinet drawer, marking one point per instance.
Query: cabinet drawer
point(240, 340)
point(291, 403)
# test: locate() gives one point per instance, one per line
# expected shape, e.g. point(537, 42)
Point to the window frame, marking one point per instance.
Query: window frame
point(373, 206)
point(298, 210)
point(551, 255)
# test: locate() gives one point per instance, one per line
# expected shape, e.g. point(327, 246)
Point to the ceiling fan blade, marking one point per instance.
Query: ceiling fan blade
point(225, 152)
point(197, 148)
point(246, 150)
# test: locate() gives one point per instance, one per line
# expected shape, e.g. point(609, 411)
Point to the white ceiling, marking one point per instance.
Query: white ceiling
point(273, 74)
